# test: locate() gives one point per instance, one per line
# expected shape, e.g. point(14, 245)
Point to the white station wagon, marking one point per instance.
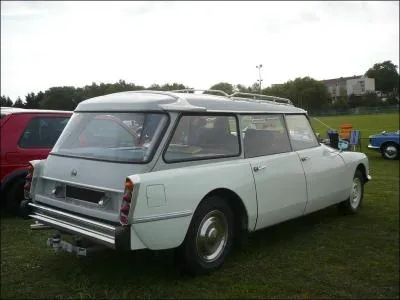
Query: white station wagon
point(195, 172)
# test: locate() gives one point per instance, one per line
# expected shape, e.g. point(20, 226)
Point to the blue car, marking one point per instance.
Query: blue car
point(388, 143)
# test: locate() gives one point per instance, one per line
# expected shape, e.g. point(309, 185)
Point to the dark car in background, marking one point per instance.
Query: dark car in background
point(388, 143)
point(26, 134)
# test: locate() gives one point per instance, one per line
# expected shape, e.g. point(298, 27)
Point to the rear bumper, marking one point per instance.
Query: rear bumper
point(112, 236)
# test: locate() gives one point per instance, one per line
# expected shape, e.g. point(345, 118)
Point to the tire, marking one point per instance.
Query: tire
point(390, 151)
point(353, 204)
point(15, 195)
point(213, 219)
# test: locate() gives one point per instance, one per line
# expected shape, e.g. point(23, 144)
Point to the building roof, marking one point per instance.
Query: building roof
point(175, 101)
point(334, 80)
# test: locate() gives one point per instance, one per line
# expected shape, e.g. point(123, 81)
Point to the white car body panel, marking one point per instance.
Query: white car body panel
point(325, 173)
point(184, 189)
point(281, 188)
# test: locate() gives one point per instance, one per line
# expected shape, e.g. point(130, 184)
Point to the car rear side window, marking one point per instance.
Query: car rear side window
point(203, 137)
point(301, 132)
point(264, 135)
point(42, 132)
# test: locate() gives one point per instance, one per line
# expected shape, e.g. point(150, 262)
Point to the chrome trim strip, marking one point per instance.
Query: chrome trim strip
point(102, 189)
point(165, 216)
point(84, 220)
point(373, 147)
point(96, 236)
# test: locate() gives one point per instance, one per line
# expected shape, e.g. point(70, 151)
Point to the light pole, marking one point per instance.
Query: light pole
point(259, 75)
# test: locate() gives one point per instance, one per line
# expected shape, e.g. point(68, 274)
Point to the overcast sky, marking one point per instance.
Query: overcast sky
point(45, 44)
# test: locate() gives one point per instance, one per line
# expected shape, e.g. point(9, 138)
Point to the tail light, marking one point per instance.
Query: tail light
point(28, 182)
point(126, 202)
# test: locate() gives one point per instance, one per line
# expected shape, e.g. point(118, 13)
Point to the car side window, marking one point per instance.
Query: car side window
point(42, 132)
point(264, 135)
point(202, 137)
point(300, 132)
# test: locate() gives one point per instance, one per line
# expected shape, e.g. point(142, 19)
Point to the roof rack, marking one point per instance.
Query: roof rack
point(269, 98)
point(196, 90)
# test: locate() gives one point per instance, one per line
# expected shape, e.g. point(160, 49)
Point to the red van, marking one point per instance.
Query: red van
point(26, 134)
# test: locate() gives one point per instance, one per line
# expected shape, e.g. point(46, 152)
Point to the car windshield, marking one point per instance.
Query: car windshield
point(119, 137)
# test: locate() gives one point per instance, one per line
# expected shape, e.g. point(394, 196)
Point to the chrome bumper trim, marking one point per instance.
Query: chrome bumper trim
point(165, 216)
point(104, 239)
point(73, 217)
point(98, 232)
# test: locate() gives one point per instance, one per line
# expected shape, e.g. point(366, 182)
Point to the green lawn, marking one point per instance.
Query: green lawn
point(323, 255)
point(367, 124)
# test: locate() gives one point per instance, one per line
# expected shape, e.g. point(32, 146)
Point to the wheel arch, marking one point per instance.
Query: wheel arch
point(390, 142)
point(240, 213)
point(10, 179)
point(361, 167)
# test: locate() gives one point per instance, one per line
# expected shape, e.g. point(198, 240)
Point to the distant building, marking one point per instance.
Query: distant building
point(345, 86)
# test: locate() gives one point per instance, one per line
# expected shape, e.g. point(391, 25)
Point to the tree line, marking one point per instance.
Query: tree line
point(304, 92)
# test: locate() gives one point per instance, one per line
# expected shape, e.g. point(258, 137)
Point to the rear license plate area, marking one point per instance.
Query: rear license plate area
point(83, 194)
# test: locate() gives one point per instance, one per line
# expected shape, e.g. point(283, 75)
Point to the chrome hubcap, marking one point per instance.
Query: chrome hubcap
point(355, 196)
point(212, 236)
point(390, 151)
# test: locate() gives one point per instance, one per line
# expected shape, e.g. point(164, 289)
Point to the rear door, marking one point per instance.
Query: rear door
point(323, 166)
point(277, 171)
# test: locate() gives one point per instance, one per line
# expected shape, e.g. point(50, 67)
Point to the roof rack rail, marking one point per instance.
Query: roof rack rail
point(266, 97)
point(196, 90)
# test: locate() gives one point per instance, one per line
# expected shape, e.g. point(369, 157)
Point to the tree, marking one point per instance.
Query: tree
point(355, 101)
point(5, 101)
point(306, 92)
point(241, 88)
point(59, 98)
point(19, 103)
point(341, 104)
point(386, 77)
point(370, 99)
point(33, 101)
point(223, 86)
point(172, 87)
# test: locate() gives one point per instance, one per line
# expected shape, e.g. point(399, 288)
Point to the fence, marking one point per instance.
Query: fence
point(357, 111)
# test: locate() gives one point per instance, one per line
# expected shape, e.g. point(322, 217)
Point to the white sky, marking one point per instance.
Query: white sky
point(45, 44)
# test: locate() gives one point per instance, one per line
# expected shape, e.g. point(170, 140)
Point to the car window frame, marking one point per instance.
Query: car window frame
point(176, 124)
point(32, 119)
point(312, 129)
point(282, 115)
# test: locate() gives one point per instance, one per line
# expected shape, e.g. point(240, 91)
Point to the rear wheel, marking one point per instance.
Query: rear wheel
point(390, 151)
point(353, 203)
point(15, 195)
point(209, 237)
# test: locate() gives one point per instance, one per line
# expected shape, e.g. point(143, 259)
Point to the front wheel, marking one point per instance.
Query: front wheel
point(209, 237)
point(353, 204)
point(390, 151)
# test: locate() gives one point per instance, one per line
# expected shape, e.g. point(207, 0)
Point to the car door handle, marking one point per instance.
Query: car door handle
point(304, 158)
point(258, 168)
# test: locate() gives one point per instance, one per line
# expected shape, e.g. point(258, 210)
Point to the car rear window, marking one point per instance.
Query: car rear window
point(118, 137)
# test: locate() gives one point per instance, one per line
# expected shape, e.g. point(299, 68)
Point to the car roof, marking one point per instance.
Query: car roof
point(17, 110)
point(186, 102)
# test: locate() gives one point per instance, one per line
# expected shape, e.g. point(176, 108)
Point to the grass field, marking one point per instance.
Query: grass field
point(323, 255)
